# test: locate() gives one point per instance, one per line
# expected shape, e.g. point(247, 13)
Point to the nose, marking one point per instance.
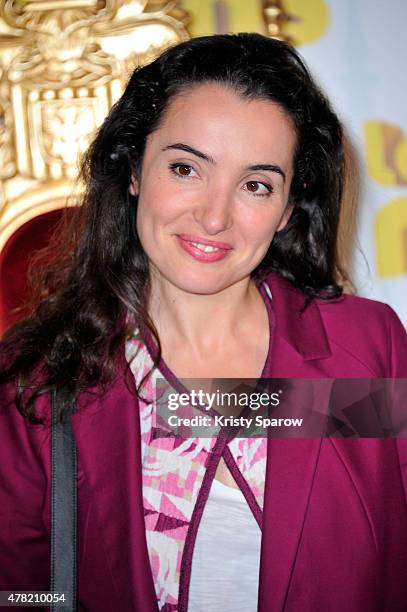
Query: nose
point(215, 212)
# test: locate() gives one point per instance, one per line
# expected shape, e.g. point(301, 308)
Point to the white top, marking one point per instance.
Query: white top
point(226, 556)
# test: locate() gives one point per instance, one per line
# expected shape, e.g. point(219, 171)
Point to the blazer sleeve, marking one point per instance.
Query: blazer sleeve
point(397, 368)
point(397, 346)
point(24, 498)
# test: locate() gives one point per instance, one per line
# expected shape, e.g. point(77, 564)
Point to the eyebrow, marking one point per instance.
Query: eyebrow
point(253, 168)
point(188, 149)
point(267, 167)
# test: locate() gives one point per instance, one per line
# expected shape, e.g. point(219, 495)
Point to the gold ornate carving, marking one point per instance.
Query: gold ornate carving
point(275, 18)
point(63, 63)
point(7, 157)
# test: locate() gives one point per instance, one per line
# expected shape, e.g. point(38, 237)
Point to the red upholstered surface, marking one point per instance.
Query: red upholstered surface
point(14, 261)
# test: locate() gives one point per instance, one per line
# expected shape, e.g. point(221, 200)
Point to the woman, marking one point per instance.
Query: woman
point(205, 247)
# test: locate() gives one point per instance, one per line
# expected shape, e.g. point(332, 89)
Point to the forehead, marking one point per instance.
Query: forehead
point(218, 120)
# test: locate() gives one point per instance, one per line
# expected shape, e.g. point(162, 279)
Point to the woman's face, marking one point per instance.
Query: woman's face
point(214, 188)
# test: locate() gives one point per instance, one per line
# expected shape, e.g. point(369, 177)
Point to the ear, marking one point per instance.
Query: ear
point(134, 186)
point(285, 217)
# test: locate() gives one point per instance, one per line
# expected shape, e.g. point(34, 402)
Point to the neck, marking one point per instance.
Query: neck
point(202, 321)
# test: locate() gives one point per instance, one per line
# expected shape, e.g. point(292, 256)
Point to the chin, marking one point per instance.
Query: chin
point(204, 284)
point(202, 287)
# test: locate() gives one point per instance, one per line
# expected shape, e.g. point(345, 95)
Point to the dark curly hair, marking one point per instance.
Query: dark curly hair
point(96, 292)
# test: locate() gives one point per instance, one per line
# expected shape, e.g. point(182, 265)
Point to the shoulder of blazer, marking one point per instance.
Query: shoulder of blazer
point(366, 328)
point(370, 328)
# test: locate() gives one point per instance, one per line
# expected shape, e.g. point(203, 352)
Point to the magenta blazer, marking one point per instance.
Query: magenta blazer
point(335, 516)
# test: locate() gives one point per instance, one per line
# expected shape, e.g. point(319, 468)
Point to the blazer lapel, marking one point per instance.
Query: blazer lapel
point(299, 343)
point(297, 321)
point(107, 434)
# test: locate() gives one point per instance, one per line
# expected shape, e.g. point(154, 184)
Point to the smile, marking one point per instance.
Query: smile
point(202, 251)
point(204, 247)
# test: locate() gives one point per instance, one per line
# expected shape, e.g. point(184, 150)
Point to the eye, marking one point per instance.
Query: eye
point(182, 170)
point(258, 188)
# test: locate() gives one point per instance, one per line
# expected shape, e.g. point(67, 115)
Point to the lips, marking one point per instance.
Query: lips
point(201, 249)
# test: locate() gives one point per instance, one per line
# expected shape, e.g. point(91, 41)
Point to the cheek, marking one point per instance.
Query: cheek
point(260, 229)
point(145, 220)
point(162, 206)
point(155, 217)
point(149, 207)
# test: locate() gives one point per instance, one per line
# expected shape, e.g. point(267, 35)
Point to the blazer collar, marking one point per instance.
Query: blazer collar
point(298, 322)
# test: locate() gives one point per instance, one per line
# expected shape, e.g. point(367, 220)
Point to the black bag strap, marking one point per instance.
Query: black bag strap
point(63, 508)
